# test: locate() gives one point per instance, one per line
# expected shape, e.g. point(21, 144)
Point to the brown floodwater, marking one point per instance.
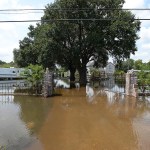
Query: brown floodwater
point(77, 119)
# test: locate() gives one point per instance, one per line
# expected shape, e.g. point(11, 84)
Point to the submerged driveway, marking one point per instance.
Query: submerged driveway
point(77, 120)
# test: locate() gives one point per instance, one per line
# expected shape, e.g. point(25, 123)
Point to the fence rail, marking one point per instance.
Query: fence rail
point(110, 82)
point(14, 88)
point(114, 83)
point(9, 87)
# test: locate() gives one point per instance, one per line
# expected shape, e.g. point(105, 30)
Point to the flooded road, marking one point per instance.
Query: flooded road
point(78, 119)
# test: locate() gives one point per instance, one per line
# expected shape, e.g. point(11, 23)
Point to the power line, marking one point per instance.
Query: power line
point(77, 9)
point(22, 11)
point(50, 20)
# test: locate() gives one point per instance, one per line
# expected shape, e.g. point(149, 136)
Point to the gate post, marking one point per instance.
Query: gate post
point(127, 90)
point(48, 83)
point(131, 84)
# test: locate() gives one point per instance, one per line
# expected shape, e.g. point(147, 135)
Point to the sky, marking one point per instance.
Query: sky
point(11, 33)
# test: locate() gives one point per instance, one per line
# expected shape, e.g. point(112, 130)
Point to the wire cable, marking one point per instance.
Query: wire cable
point(51, 20)
point(79, 9)
point(22, 11)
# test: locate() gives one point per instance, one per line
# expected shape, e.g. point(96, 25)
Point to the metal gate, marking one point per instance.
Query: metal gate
point(114, 83)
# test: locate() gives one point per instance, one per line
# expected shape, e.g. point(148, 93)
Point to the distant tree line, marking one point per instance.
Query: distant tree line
point(132, 64)
point(4, 64)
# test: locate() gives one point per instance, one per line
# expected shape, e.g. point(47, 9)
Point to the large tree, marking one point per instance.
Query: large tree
point(82, 29)
point(78, 29)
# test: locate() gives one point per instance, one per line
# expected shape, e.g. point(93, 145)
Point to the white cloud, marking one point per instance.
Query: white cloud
point(144, 34)
point(3, 2)
point(11, 33)
point(134, 4)
point(6, 26)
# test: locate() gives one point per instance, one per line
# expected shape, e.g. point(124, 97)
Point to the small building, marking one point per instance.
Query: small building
point(10, 72)
point(110, 68)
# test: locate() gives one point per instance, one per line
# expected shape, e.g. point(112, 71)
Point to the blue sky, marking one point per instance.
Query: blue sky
point(11, 33)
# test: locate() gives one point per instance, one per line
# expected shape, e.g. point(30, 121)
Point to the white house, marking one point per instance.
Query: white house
point(110, 68)
point(10, 72)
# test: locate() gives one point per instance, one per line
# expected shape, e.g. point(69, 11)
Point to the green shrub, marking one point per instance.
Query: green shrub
point(143, 80)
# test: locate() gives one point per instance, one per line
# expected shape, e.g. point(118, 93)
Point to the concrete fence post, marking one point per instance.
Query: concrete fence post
point(127, 90)
point(131, 84)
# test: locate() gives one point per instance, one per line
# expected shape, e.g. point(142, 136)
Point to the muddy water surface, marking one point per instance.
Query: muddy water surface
point(79, 119)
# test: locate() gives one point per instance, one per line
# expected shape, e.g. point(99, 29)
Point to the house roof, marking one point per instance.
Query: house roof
point(110, 63)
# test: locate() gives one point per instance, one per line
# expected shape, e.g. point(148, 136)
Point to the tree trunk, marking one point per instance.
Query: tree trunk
point(82, 74)
point(72, 77)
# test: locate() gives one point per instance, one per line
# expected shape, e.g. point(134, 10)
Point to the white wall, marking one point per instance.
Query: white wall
point(110, 68)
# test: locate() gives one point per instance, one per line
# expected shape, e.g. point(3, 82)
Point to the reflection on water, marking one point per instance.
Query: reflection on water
point(9, 86)
point(6, 98)
point(61, 83)
point(13, 133)
point(89, 91)
point(81, 119)
point(20, 120)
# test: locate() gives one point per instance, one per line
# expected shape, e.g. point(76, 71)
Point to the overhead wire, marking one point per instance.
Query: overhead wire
point(69, 9)
point(50, 20)
point(22, 11)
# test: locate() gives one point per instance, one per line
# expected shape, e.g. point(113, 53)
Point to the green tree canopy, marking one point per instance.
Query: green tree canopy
point(33, 49)
point(143, 80)
point(34, 74)
point(125, 65)
point(138, 64)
